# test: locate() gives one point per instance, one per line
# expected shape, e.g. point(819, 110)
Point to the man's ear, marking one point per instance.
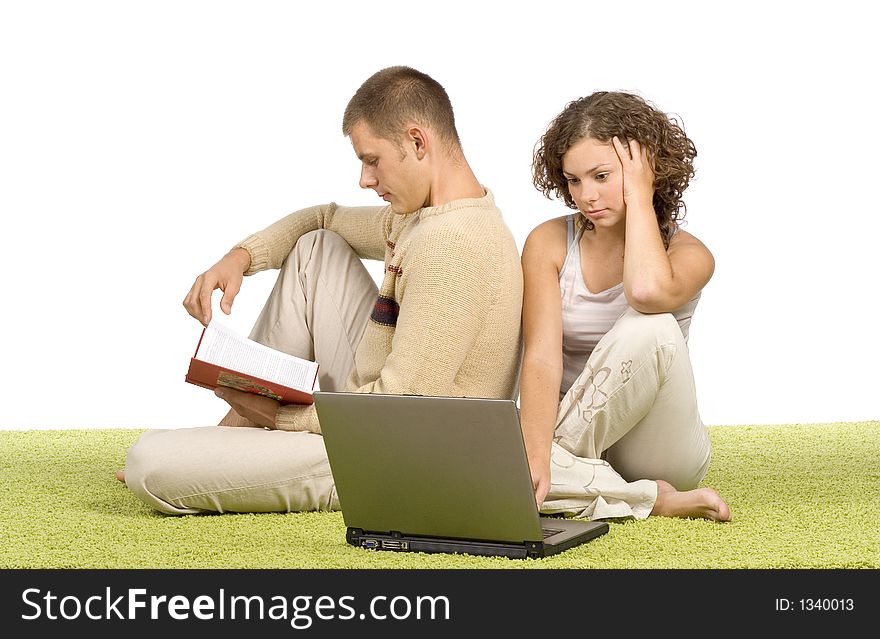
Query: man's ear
point(419, 140)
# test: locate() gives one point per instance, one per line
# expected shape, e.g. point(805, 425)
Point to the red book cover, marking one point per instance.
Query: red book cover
point(211, 375)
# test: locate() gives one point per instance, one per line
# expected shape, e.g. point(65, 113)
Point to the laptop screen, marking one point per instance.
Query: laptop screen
point(433, 466)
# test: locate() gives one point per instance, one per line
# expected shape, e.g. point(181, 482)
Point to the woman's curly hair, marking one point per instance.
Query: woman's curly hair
point(602, 116)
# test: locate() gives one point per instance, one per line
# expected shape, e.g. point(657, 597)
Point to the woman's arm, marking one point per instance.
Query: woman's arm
point(542, 257)
point(656, 280)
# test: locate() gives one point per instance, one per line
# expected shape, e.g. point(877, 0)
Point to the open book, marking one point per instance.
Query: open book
point(225, 358)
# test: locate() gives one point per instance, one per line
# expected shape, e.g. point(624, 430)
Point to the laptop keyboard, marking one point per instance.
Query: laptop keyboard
point(548, 532)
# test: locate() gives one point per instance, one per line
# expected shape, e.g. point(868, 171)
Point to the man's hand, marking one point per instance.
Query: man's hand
point(259, 410)
point(638, 172)
point(227, 275)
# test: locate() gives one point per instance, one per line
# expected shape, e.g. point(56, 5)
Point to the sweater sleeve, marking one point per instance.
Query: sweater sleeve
point(362, 227)
point(298, 417)
point(448, 292)
point(364, 230)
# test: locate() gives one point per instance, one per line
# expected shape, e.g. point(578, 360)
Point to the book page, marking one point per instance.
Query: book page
point(224, 347)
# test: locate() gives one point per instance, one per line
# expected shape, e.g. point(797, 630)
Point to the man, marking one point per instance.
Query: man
point(445, 321)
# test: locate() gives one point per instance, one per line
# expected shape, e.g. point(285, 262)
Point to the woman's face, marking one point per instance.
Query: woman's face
point(595, 181)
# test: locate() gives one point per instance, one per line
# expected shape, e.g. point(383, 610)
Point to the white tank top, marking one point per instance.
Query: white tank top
point(587, 316)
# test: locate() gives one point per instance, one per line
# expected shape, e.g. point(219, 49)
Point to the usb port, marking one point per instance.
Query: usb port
point(393, 544)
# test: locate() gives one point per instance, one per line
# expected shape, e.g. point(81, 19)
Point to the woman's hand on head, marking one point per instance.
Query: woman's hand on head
point(638, 172)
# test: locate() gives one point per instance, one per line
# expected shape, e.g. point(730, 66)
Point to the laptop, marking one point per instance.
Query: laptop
point(438, 474)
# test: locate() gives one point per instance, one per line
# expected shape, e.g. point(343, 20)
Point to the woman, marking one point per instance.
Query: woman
point(609, 409)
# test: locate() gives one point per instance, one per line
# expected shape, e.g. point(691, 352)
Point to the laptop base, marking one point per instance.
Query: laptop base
point(396, 542)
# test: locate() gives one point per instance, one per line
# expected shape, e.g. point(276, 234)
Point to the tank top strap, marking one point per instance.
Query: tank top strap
point(569, 274)
point(569, 225)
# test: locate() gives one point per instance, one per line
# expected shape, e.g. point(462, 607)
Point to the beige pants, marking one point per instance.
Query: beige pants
point(634, 405)
point(631, 417)
point(318, 310)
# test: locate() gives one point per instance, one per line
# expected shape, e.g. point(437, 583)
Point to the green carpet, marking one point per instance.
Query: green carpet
point(802, 496)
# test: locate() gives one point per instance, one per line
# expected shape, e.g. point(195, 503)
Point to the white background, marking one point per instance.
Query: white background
point(140, 140)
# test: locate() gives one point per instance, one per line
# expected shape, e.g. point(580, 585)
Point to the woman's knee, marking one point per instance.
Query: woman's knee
point(644, 332)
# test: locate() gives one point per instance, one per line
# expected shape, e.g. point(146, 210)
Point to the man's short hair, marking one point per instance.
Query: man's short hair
point(391, 99)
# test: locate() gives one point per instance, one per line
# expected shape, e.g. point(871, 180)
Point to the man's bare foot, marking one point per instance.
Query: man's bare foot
point(700, 503)
point(120, 475)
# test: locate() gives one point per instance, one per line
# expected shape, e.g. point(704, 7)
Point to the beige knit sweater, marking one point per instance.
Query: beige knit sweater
point(447, 319)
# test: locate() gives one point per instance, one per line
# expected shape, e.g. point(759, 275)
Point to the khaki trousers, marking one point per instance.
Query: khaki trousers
point(630, 417)
point(318, 310)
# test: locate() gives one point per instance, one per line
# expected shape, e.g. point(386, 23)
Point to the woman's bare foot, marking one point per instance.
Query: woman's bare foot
point(120, 475)
point(700, 503)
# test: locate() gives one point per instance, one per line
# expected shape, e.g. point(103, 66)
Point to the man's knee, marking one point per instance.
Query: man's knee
point(317, 252)
point(320, 239)
point(217, 469)
point(150, 472)
point(158, 455)
point(139, 462)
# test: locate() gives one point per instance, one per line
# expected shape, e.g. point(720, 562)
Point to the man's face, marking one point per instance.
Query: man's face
point(392, 171)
